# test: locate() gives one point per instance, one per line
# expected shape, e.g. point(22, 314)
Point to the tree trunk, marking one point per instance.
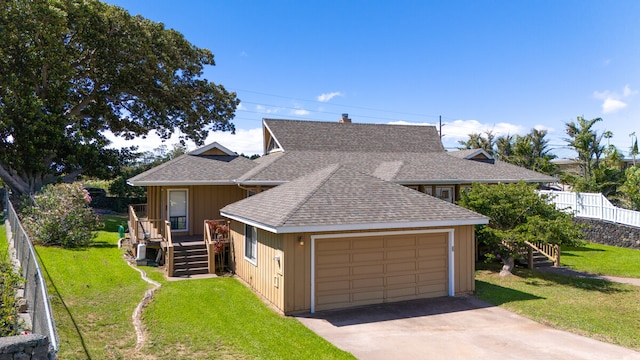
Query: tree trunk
point(507, 268)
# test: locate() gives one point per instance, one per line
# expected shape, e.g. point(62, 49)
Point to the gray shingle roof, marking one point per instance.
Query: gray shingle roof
point(195, 169)
point(321, 136)
point(342, 198)
point(402, 167)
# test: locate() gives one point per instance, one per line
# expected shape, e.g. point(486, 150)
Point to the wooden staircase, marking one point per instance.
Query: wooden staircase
point(190, 258)
point(538, 260)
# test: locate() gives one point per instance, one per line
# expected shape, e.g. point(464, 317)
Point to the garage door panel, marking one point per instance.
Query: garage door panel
point(432, 239)
point(401, 254)
point(410, 291)
point(368, 295)
point(367, 283)
point(369, 243)
point(355, 271)
point(376, 270)
point(368, 256)
point(401, 267)
point(434, 264)
point(404, 279)
point(401, 241)
point(333, 258)
point(334, 272)
point(333, 245)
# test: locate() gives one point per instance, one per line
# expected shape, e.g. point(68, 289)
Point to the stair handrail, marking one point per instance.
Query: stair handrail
point(551, 251)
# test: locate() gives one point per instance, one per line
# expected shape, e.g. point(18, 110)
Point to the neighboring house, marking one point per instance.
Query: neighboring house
point(329, 217)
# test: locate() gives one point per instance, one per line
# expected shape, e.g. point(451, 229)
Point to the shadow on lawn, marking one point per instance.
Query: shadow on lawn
point(102, 245)
point(580, 248)
point(569, 278)
point(501, 295)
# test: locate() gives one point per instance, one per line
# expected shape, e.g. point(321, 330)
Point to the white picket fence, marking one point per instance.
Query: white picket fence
point(591, 205)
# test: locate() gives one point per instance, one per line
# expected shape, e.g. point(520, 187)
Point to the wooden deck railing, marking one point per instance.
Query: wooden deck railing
point(145, 231)
point(216, 237)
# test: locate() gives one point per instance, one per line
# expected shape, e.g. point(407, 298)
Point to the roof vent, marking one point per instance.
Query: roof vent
point(345, 119)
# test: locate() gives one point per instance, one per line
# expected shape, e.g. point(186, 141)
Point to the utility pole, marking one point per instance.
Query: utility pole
point(440, 122)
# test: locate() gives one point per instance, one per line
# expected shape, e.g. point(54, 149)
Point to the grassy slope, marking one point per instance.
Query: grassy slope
point(93, 293)
point(603, 260)
point(602, 310)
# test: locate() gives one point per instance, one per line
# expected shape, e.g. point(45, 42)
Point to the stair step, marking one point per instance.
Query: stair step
point(190, 264)
point(189, 272)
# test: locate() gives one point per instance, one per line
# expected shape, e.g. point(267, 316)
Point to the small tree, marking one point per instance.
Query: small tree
point(630, 189)
point(61, 217)
point(517, 213)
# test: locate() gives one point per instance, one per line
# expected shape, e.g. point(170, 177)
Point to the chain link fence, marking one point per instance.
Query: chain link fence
point(35, 290)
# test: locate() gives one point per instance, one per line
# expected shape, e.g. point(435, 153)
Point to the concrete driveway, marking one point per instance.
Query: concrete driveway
point(452, 328)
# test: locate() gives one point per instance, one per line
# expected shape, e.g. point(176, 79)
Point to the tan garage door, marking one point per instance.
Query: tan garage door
point(355, 271)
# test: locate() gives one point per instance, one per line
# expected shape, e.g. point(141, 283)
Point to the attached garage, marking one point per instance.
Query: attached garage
point(371, 268)
point(339, 238)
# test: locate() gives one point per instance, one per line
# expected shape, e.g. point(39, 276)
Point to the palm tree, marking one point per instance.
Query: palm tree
point(586, 142)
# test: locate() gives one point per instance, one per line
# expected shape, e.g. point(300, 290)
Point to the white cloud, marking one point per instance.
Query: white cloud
point(627, 91)
point(265, 110)
point(460, 130)
point(300, 112)
point(247, 141)
point(613, 101)
point(611, 105)
point(328, 96)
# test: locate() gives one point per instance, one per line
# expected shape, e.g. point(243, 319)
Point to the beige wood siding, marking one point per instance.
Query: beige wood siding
point(204, 203)
point(266, 276)
point(464, 259)
point(370, 270)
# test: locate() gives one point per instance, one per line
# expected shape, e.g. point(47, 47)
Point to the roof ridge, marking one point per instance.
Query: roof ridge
point(315, 189)
point(161, 166)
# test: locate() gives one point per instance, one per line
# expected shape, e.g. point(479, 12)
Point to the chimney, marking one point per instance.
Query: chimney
point(345, 119)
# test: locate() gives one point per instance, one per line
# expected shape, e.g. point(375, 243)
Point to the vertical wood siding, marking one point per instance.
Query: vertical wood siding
point(265, 276)
point(204, 203)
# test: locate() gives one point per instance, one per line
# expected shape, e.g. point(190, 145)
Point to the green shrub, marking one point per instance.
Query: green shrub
point(61, 217)
point(9, 282)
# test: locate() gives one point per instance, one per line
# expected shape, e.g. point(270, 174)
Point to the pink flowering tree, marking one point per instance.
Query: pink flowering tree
point(61, 217)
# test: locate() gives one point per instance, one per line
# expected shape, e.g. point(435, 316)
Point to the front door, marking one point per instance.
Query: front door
point(178, 210)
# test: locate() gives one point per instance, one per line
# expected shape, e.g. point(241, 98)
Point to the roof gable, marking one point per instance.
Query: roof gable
point(338, 198)
point(298, 135)
point(213, 149)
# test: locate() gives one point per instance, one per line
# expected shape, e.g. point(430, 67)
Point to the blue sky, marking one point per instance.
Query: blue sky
point(505, 66)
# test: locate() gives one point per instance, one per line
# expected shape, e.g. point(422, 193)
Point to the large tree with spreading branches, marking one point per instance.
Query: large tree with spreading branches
point(71, 70)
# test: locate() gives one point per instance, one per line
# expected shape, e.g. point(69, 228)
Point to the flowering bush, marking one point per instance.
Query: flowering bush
point(61, 217)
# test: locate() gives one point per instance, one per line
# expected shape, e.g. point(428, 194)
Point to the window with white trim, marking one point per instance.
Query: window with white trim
point(250, 243)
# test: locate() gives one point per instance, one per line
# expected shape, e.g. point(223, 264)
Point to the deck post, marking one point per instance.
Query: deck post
point(170, 260)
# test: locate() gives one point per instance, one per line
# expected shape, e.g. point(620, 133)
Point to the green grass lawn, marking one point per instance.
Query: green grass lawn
point(221, 316)
point(94, 293)
point(602, 260)
point(605, 311)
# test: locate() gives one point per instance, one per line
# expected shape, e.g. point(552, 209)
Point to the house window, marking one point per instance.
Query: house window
point(250, 244)
point(445, 193)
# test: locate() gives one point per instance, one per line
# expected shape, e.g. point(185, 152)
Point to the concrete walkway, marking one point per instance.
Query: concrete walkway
point(561, 270)
point(450, 329)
